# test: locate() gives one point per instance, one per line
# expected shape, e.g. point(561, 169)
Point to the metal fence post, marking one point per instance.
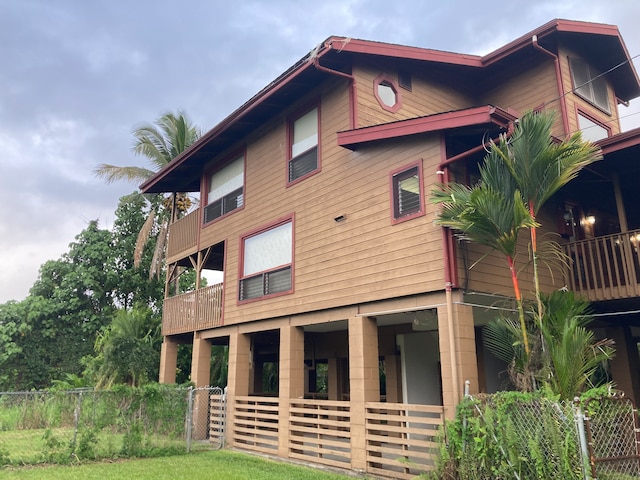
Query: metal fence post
point(582, 436)
point(189, 417)
point(76, 420)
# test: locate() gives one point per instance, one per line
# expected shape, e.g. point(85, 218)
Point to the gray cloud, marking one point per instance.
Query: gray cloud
point(78, 77)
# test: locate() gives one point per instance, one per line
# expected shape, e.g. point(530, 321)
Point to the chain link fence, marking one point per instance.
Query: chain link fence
point(612, 436)
point(504, 436)
point(63, 427)
point(205, 422)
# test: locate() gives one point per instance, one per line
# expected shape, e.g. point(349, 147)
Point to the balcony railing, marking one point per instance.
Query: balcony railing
point(183, 235)
point(197, 310)
point(605, 268)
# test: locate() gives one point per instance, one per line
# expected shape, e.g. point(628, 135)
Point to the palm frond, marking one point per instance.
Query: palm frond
point(112, 173)
point(158, 253)
point(143, 238)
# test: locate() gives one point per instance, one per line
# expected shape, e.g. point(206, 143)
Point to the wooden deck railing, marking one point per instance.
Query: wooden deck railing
point(605, 268)
point(197, 310)
point(183, 235)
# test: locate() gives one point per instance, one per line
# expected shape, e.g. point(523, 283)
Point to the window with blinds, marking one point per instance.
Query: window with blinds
point(407, 193)
point(266, 263)
point(589, 85)
point(226, 190)
point(304, 145)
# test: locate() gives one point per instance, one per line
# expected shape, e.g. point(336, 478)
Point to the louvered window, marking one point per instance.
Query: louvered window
point(267, 259)
point(407, 193)
point(304, 145)
point(589, 85)
point(226, 190)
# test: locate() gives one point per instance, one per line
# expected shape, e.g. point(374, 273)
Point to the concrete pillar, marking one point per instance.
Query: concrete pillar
point(465, 353)
point(200, 375)
point(364, 381)
point(168, 360)
point(238, 381)
point(291, 381)
point(200, 361)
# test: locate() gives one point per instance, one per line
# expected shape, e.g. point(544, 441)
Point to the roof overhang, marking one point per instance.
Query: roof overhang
point(622, 141)
point(488, 114)
point(603, 42)
point(184, 172)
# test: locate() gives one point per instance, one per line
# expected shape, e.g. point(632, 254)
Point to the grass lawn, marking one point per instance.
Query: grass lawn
point(222, 464)
point(28, 446)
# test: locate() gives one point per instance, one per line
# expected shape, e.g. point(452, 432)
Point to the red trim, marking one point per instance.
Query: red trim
point(280, 221)
point(441, 121)
point(548, 28)
point(421, 212)
point(620, 141)
point(630, 84)
point(290, 121)
point(390, 82)
point(574, 89)
point(353, 108)
point(354, 45)
point(581, 112)
point(242, 152)
point(263, 95)
point(559, 83)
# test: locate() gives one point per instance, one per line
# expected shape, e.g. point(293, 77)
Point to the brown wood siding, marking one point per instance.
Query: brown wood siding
point(427, 96)
point(491, 274)
point(364, 258)
point(526, 87)
point(574, 101)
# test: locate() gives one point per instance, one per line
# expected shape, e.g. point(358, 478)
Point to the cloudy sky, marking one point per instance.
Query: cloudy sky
point(76, 77)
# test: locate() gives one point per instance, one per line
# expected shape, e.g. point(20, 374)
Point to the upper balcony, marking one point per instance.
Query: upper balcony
point(192, 311)
point(605, 268)
point(183, 236)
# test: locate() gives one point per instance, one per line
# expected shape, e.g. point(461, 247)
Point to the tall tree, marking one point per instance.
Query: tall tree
point(540, 166)
point(489, 216)
point(55, 326)
point(161, 143)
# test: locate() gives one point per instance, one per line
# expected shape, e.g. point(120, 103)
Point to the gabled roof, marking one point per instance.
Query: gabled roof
point(603, 42)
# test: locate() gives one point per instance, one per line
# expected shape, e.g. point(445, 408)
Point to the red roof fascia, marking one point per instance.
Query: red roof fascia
point(557, 25)
point(237, 115)
point(621, 141)
point(343, 44)
point(432, 123)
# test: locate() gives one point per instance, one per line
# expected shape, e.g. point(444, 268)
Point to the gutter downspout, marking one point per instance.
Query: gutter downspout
point(561, 93)
point(315, 59)
point(450, 281)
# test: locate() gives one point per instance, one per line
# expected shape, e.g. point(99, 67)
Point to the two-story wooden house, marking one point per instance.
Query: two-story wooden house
point(314, 208)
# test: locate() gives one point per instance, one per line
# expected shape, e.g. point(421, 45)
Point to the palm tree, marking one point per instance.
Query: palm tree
point(573, 354)
point(489, 216)
point(541, 166)
point(171, 135)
